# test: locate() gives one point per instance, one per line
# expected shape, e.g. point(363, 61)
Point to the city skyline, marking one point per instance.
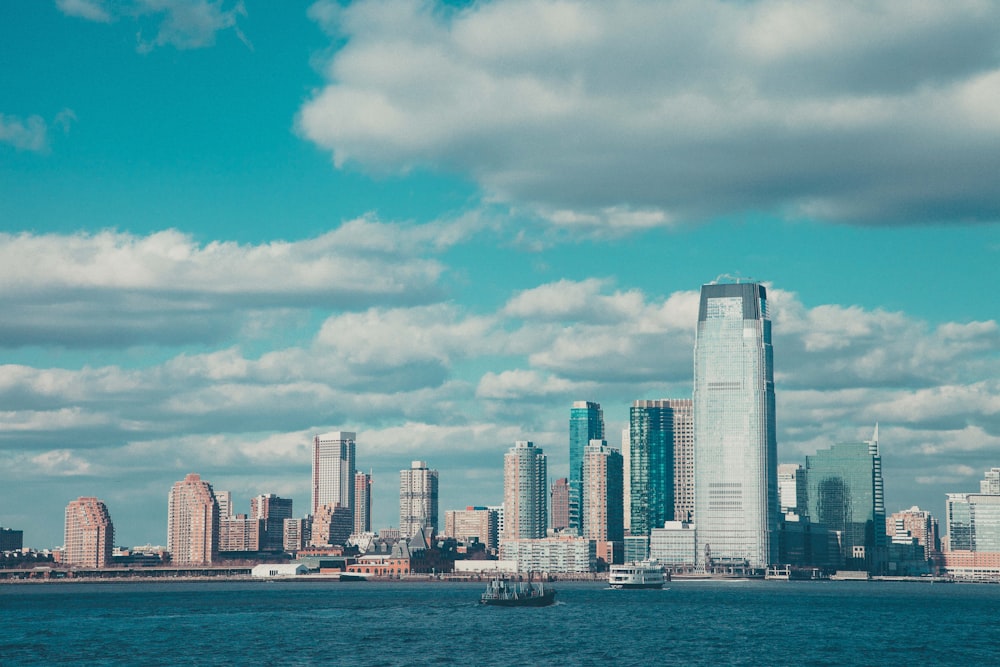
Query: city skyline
point(228, 227)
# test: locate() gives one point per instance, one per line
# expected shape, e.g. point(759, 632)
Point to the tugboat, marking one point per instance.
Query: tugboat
point(642, 574)
point(503, 593)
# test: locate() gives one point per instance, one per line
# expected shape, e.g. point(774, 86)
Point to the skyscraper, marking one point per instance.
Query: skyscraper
point(90, 535)
point(845, 494)
point(736, 487)
point(603, 497)
point(792, 496)
point(273, 511)
point(586, 423)
point(362, 502)
point(418, 500)
point(651, 465)
point(974, 518)
point(683, 438)
point(559, 504)
point(333, 470)
point(524, 490)
point(192, 522)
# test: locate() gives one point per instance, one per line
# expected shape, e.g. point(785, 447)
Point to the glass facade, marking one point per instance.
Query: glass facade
point(736, 488)
point(844, 486)
point(974, 518)
point(586, 423)
point(651, 465)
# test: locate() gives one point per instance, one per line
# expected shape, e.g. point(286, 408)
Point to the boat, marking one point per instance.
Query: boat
point(638, 574)
point(501, 592)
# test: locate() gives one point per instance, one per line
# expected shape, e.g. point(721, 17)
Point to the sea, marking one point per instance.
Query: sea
point(719, 622)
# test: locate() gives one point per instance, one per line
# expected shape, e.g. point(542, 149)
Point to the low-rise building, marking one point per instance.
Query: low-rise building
point(674, 545)
point(555, 555)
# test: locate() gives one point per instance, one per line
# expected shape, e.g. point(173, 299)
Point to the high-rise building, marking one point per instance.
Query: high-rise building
point(331, 526)
point(683, 436)
point(472, 524)
point(974, 518)
point(792, 496)
point(736, 482)
point(525, 485)
point(915, 524)
point(627, 480)
point(192, 522)
point(240, 533)
point(418, 500)
point(603, 497)
point(273, 511)
point(90, 535)
point(333, 470)
point(586, 423)
point(559, 504)
point(362, 502)
point(297, 533)
point(845, 494)
point(651, 465)
point(225, 500)
point(11, 540)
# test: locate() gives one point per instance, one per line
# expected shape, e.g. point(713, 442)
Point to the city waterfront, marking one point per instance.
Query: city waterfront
point(399, 623)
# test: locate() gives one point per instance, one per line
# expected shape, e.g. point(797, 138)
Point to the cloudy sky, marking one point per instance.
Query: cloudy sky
point(228, 226)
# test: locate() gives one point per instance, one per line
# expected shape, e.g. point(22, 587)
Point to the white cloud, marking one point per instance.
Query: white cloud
point(28, 134)
point(627, 115)
point(183, 24)
point(114, 288)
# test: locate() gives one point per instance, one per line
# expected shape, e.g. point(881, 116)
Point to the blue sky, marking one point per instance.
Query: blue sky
point(226, 227)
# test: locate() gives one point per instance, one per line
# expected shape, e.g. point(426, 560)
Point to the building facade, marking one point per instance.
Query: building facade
point(331, 526)
point(11, 540)
point(603, 498)
point(418, 500)
point(240, 533)
point(674, 545)
point(524, 498)
point(272, 510)
point(651, 465)
point(586, 423)
point(90, 535)
point(333, 470)
point(192, 522)
point(556, 555)
point(362, 502)
point(736, 484)
point(845, 494)
point(683, 438)
point(477, 524)
point(792, 493)
point(559, 504)
point(297, 533)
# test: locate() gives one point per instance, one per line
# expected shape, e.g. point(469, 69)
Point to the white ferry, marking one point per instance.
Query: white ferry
point(641, 574)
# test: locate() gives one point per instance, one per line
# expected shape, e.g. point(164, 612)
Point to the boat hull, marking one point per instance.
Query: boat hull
point(658, 585)
point(543, 600)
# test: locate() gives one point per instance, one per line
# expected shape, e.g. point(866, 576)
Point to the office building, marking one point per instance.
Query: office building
point(586, 423)
point(418, 500)
point(792, 496)
point(333, 470)
point(683, 438)
point(240, 533)
point(11, 540)
point(917, 525)
point(559, 504)
point(736, 481)
point(845, 494)
point(192, 522)
point(473, 524)
point(651, 464)
point(674, 546)
point(272, 510)
point(524, 496)
point(90, 535)
point(362, 502)
point(331, 526)
point(974, 518)
point(626, 450)
point(603, 503)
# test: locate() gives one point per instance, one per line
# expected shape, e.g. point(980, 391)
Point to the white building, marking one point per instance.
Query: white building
point(333, 470)
point(525, 491)
point(674, 544)
point(558, 555)
point(418, 499)
point(272, 570)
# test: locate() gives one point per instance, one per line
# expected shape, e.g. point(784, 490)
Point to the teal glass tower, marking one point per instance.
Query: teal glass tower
point(845, 493)
point(651, 465)
point(736, 477)
point(586, 423)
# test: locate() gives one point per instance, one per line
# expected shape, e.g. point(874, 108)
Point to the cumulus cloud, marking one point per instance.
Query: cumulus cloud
point(116, 288)
point(183, 24)
point(24, 134)
point(630, 114)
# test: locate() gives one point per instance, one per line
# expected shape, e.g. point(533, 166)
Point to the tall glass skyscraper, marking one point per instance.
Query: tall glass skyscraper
point(586, 423)
point(651, 465)
point(736, 485)
point(845, 493)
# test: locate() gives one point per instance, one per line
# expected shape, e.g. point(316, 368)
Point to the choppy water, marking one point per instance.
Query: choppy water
point(692, 623)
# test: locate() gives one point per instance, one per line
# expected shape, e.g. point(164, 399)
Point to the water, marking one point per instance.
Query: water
point(374, 623)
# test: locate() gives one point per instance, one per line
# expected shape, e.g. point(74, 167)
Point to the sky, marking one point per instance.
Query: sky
point(226, 227)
